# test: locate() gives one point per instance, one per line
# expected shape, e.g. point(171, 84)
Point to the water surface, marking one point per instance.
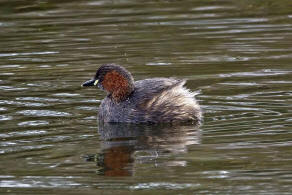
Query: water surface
point(235, 54)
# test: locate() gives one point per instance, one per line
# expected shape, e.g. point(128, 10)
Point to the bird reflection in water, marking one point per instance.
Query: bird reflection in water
point(124, 145)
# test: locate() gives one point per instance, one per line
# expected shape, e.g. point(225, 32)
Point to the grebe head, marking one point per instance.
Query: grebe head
point(113, 79)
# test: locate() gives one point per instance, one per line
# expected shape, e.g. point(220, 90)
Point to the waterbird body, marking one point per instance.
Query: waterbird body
point(155, 100)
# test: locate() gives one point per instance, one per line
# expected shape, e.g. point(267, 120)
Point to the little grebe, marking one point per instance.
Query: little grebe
point(155, 100)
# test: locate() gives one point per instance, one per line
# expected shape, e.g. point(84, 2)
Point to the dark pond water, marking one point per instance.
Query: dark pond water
point(237, 55)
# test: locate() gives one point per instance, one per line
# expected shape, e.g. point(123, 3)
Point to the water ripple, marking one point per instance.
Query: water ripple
point(28, 104)
point(42, 182)
point(43, 113)
point(41, 99)
point(11, 88)
point(66, 94)
point(259, 73)
point(5, 117)
point(25, 54)
point(22, 133)
point(164, 185)
point(33, 123)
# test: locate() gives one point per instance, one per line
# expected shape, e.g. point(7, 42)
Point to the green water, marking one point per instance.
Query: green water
point(237, 55)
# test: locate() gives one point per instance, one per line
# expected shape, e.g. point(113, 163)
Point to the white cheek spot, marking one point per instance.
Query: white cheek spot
point(95, 82)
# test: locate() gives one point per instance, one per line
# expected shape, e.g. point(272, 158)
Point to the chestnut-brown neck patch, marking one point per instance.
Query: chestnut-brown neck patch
point(117, 85)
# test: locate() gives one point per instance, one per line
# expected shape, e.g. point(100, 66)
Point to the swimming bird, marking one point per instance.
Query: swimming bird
point(154, 100)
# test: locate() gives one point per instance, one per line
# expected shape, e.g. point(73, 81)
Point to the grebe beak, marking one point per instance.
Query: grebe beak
point(92, 82)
